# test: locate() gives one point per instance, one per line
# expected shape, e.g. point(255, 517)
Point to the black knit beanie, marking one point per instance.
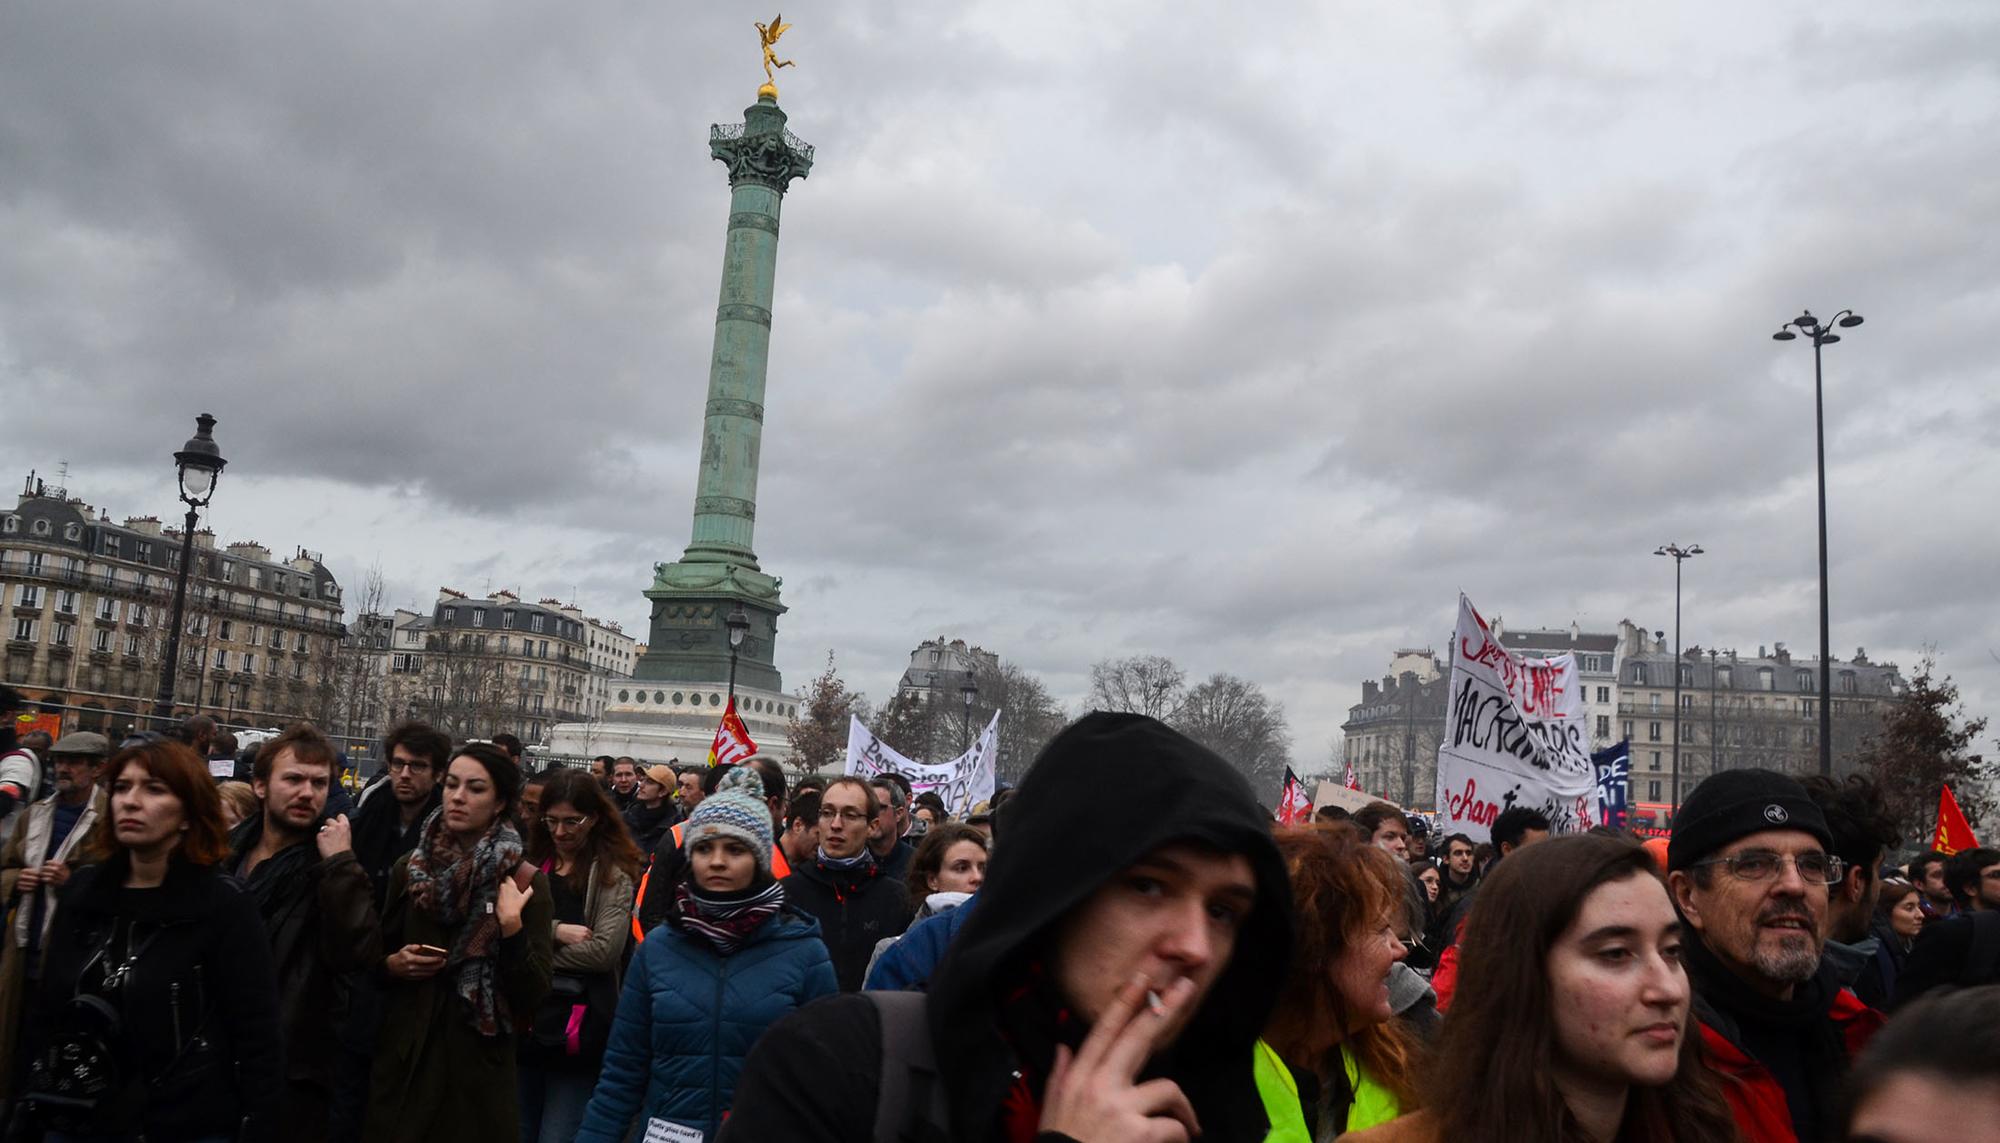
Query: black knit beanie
point(1737, 803)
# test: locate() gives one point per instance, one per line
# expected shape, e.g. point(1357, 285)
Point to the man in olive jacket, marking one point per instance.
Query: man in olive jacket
point(317, 908)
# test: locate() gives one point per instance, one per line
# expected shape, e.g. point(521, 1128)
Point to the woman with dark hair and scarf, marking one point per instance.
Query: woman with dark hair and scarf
point(472, 927)
point(729, 960)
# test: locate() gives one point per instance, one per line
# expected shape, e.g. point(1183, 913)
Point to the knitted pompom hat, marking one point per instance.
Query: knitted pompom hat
point(736, 809)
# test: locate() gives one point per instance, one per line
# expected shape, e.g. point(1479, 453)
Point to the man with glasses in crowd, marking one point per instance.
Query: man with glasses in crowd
point(855, 902)
point(1750, 871)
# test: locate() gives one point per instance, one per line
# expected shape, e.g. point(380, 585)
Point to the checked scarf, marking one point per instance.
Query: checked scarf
point(459, 888)
point(724, 920)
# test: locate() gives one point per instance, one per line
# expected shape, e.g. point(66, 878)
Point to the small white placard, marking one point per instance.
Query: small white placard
point(224, 768)
point(660, 1131)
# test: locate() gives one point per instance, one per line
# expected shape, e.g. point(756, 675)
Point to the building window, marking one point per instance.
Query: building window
point(1653, 732)
point(41, 527)
point(100, 640)
point(507, 619)
point(25, 630)
point(143, 551)
point(1847, 682)
point(1652, 791)
point(1687, 702)
point(249, 662)
point(132, 645)
point(65, 634)
point(1603, 726)
point(221, 660)
point(1805, 681)
point(299, 669)
point(107, 609)
point(1767, 679)
point(450, 614)
point(1639, 673)
point(479, 617)
point(34, 563)
point(1654, 762)
point(12, 523)
point(66, 602)
point(535, 623)
point(1604, 694)
point(300, 647)
point(27, 595)
point(1655, 703)
point(112, 544)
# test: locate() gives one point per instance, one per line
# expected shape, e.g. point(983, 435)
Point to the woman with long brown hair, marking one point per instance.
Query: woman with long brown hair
point(1570, 1020)
point(1333, 1027)
point(581, 844)
point(159, 1003)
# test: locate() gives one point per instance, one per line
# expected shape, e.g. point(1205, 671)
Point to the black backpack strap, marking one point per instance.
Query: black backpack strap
point(910, 1105)
point(1982, 958)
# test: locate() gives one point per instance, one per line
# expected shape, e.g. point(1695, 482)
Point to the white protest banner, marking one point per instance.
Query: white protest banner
point(962, 783)
point(1515, 735)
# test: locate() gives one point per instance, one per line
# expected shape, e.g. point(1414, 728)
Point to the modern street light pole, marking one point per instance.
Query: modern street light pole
point(199, 463)
point(1822, 335)
point(738, 623)
point(969, 690)
point(1680, 555)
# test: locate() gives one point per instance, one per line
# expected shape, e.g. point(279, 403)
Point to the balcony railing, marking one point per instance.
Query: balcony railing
point(163, 596)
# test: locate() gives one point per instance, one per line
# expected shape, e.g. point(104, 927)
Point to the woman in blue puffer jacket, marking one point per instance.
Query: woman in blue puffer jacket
point(727, 963)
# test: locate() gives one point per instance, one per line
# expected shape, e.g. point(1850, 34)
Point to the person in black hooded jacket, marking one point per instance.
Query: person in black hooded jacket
point(1110, 980)
point(156, 933)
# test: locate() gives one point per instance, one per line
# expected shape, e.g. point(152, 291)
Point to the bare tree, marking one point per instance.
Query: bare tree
point(1236, 719)
point(1143, 684)
point(818, 727)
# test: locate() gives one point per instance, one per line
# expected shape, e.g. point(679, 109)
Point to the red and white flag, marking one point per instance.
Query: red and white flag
point(732, 739)
point(1353, 780)
point(1294, 805)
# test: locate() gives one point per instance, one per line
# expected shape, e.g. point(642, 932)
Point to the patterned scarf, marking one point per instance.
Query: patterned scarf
point(459, 888)
point(724, 920)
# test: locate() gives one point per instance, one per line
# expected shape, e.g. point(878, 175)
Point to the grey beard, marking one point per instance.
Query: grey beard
point(1790, 964)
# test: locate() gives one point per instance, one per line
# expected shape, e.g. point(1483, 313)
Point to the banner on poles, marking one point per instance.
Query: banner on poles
point(1515, 735)
point(962, 783)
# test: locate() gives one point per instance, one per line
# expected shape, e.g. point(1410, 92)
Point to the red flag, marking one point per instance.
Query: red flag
point(1353, 779)
point(1953, 831)
point(732, 739)
point(1294, 806)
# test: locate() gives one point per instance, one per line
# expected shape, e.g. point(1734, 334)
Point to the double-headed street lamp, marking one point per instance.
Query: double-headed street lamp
point(1680, 556)
point(968, 690)
point(1822, 334)
point(738, 623)
point(199, 463)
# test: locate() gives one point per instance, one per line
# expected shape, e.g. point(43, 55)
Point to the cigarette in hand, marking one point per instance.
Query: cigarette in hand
point(1153, 1003)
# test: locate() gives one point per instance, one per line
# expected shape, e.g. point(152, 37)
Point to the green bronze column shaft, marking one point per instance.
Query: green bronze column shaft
point(763, 158)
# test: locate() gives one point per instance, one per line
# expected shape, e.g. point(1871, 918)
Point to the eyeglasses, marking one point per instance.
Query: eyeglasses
point(399, 765)
point(568, 823)
point(853, 817)
point(1759, 865)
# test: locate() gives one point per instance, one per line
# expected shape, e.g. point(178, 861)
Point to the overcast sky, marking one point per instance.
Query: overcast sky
point(1245, 334)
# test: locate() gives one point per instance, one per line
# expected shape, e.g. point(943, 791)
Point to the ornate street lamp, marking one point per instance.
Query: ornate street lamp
point(199, 463)
point(1680, 556)
point(1822, 335)
point(968, 690)
point(738, 623)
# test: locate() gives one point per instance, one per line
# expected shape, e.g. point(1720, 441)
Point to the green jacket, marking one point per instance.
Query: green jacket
point(435, 1078)
point(1373, 1104)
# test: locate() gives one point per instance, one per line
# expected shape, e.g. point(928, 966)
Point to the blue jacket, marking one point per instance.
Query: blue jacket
point(688, 1017)
point(906, 966)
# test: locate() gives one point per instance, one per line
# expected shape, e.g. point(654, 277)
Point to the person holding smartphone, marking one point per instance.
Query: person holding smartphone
point(471, 929)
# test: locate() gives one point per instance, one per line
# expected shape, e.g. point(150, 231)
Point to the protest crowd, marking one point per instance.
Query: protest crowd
point(1125, 946)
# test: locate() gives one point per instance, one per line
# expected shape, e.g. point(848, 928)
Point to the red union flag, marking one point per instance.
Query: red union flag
point(1352, 780)
point(1953, 831)
point(1294, 806)
point(732, 739)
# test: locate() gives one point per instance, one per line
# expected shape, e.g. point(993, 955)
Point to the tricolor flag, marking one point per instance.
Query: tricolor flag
point(732, 739)
point(1294, 805)
point(1953, 831)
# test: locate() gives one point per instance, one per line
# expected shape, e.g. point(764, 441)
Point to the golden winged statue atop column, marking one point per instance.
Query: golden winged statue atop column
point(769, 34)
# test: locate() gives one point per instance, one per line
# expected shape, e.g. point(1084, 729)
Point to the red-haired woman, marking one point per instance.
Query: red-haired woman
point(1353, 1062)
point(158, 999)
point(1571, 1018)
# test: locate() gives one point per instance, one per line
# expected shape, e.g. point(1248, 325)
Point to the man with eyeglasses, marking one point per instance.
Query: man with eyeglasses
point(1750, 871)
point(855, 902)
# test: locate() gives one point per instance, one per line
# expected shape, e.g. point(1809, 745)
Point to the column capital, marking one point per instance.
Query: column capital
point(760, 149)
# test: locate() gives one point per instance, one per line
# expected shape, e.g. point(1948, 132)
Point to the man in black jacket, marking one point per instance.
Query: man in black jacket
point(1111, 984)
point(855, 903)
point(317, 910)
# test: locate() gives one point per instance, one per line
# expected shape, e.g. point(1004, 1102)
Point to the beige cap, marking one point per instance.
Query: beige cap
point(82, 742)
